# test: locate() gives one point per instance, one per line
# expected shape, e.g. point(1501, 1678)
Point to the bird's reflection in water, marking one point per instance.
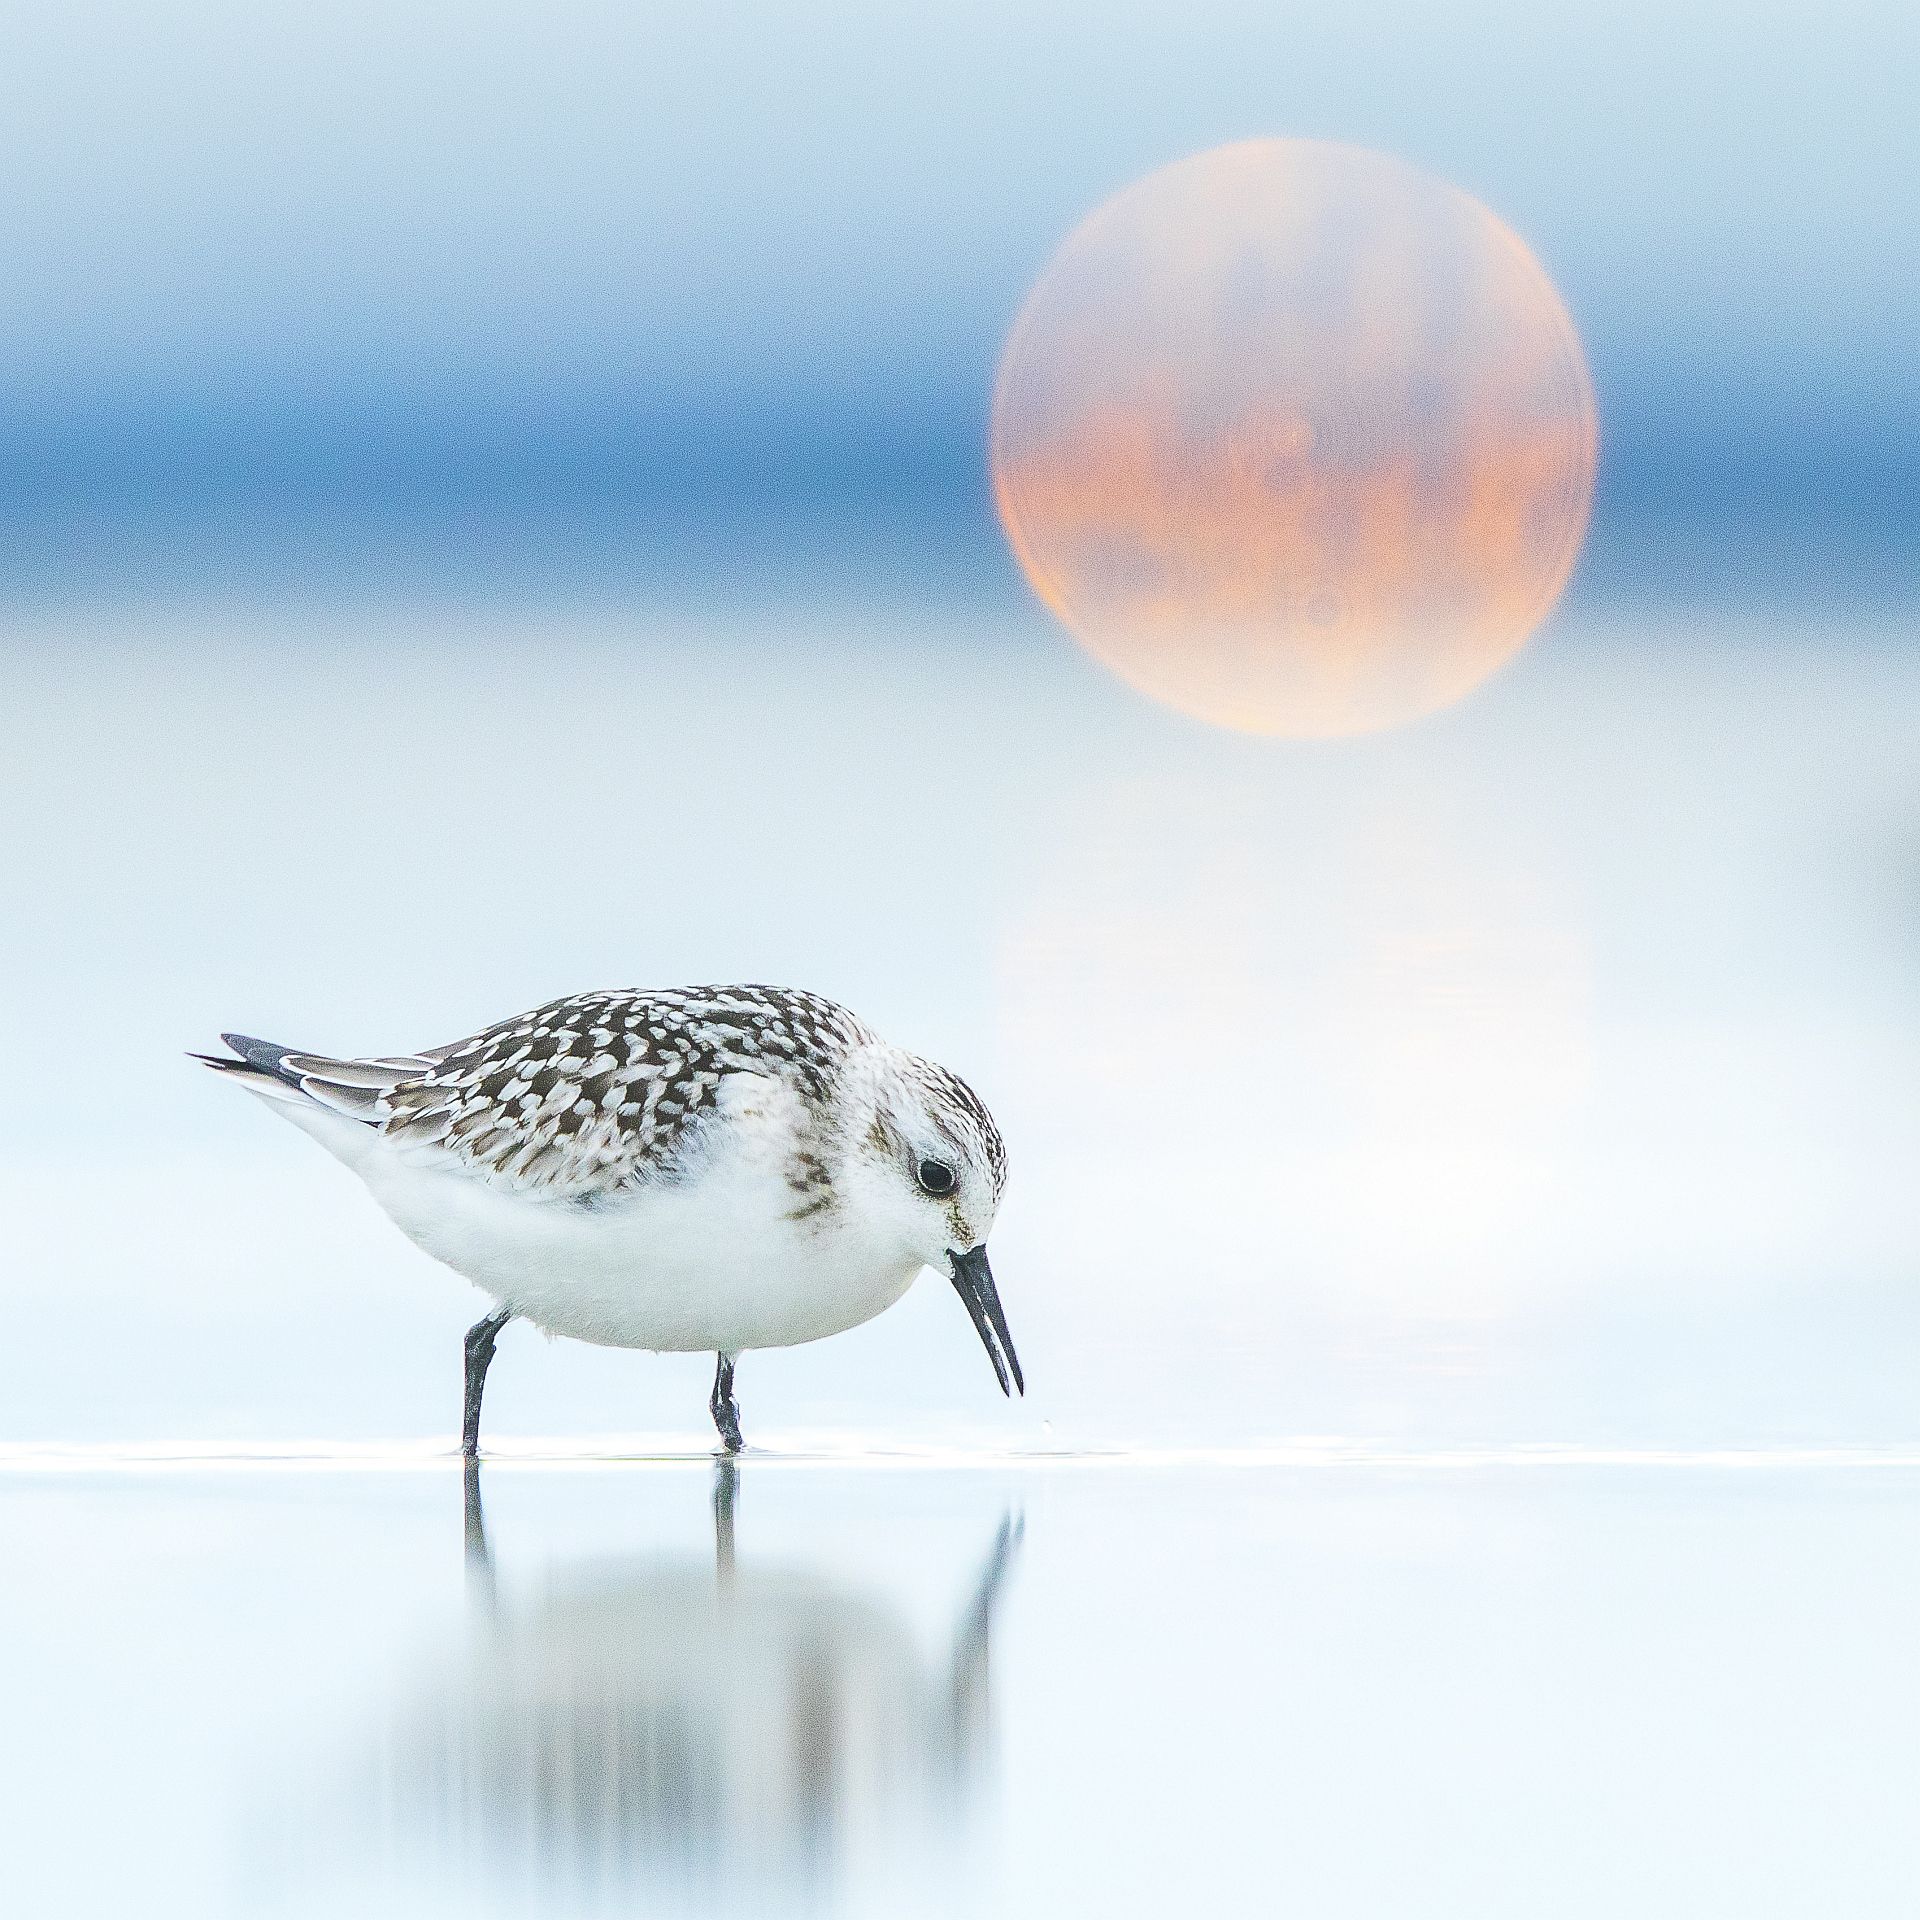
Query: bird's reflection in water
point(685, 1729)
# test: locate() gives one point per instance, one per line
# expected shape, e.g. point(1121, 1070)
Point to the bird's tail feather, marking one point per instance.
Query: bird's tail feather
point(349, 1087)
point(258, 1067)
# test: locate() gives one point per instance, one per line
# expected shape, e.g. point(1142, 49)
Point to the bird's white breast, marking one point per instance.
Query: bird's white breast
point(721, 1257)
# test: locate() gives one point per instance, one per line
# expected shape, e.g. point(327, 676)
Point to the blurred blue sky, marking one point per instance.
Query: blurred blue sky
point(517, 279)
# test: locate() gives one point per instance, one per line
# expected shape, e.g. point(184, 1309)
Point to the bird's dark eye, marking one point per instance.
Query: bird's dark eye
point(935, 1177)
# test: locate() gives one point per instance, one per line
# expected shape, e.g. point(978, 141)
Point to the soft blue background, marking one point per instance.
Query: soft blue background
point(492, 502)
point(560, 286)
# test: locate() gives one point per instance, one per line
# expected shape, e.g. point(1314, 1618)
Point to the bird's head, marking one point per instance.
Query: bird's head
point(927, 1165)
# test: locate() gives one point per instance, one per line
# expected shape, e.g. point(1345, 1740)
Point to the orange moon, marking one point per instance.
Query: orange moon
point(1295, 439)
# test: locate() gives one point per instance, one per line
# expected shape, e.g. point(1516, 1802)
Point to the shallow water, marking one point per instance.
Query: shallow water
point(996, 1687)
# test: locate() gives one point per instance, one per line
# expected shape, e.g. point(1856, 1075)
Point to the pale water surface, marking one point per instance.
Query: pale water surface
point(983, 1687)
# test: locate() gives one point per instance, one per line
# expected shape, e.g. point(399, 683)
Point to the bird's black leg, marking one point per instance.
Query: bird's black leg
point(726, 1416)
point(480, 1339)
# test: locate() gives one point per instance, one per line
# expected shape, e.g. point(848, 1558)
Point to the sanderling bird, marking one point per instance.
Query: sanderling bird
point(696, 1170)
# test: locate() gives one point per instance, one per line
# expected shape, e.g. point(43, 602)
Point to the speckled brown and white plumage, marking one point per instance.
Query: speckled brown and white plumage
point(596, 1093)
point(699, 1167)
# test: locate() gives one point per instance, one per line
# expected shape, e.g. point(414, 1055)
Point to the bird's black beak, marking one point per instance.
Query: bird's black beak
point(973, 1282)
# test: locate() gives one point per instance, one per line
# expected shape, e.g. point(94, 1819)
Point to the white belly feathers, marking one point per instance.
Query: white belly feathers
point(723, 1255)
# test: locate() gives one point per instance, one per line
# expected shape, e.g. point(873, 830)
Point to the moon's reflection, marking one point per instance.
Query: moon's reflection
point(676, 1727)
